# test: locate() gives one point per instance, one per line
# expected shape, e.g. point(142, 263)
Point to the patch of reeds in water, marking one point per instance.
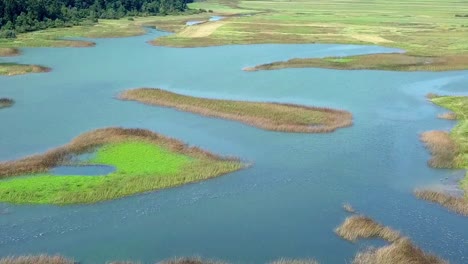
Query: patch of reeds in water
point(7, 52)
point(41, 259)
point(294, 261)
point(6, 102)
point(442, 147)
point(358, 227)
point(456, 204)
point(89, 141)
point(448, 116)
point(349, 208)
point(269, 116)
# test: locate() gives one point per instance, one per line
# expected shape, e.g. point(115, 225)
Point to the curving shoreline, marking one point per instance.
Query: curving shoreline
point(264, 115)
point(383, 61)
point(144, 161)
point(449, 151)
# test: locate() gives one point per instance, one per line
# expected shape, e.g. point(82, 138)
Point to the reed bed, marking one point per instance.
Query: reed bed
point(144, 161)
point(6, 102)
point(442, 147)
point(8, 52)
point(388, 62)
point(11, 69)
point(402, 251)
point(41, 259)
point(294, 261)
point(448, 116)
point(268, 116)
point(358, 226)
point(456, 204)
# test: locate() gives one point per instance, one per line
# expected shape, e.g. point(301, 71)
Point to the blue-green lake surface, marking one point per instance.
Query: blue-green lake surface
point(286, 205)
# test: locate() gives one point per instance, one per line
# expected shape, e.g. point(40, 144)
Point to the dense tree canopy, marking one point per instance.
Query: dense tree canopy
point(29, 15)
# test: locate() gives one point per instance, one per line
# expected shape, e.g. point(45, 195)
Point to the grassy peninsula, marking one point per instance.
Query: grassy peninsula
point(269, 116)
point(143, 160)
point(401, 250)
point(449, 150)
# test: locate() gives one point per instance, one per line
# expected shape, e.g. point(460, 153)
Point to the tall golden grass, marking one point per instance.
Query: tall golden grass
point(442, 148)
point(358, 226)
point(269, 116)
point(402, 251)
point(41, 259)
point(89, 141)
point(456, 204)
point(389, 61)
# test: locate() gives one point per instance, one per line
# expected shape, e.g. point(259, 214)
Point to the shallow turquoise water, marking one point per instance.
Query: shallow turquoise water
point(286, 205)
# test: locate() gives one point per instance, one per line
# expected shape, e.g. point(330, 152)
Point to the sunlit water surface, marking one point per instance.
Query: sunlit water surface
point(286, 205)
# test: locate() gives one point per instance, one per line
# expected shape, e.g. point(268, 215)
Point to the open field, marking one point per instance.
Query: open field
point(388, 62)
point(424, 29)
point(6, 102)
point(269, 116)
point(449, 150)
point(401, 250)
point(143, 161)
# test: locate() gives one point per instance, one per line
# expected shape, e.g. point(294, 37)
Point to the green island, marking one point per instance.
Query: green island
point(143, 161)
point(269, 116)
point(449, 150)
point(11, 69)
point(6, 102)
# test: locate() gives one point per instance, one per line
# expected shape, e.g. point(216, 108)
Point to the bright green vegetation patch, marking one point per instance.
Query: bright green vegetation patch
point(270, 116)
point(11, 69)
point(458, 154)
point(389, 62)
point(141, 164)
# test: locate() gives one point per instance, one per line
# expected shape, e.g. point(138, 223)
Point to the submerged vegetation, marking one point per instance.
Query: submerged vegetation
point(449, 150)
point(389, 62)
point(10, 69)
point(144, 161)
point(270, 116)
point(400, 250)
point(6, 102)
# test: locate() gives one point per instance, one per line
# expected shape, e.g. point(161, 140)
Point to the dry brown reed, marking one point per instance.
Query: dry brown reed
point(89, 141)
point(269, 116)
point(402, 251)
point(448, 116)
point(41, 259)
point(441, 146)
point(357, 226)
point(456, 204)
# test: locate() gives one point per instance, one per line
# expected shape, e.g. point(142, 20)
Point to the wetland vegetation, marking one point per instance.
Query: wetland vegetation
point(269, 116)
point(144, 161)
point(449, 150)
point(11, 69)
point(6, 102)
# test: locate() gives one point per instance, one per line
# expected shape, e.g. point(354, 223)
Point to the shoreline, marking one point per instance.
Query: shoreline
point(264, 115)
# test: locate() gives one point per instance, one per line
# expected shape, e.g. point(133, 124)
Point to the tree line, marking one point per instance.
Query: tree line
point(18, 16)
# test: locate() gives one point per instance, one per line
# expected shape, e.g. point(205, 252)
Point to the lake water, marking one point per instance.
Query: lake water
point(286, 205)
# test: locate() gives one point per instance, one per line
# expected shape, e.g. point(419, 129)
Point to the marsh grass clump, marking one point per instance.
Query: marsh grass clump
point(191, 260)
point(269, 116)
point(294, 261)
point(448, 116)
point(388, 62)
point(402, 251)
point(442, 147)
point(144, 161)
point(456, 204)
point(6, 102)
point(358, 226)
point(41, 259)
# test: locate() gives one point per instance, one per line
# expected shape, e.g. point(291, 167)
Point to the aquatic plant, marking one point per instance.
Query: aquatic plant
point(442, 147)
point(349, 208)
point(41, 259)
point(11, 69)
point(269, 116)
point(6, 102)
point(144, 161)
point(358, 226)
point(454, 203)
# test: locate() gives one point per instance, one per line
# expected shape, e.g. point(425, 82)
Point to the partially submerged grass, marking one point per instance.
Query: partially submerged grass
point(6, 102)
point(402, 251)
point(269, 116)
point(358, 227)
point(389, 62)
point(442, 147)
point(41, 259)
point(449, 150)
point(10, 69)
point(349, 208)
point(295, 261)
point(456, 204)
point(144, 161)
point(8, 52)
